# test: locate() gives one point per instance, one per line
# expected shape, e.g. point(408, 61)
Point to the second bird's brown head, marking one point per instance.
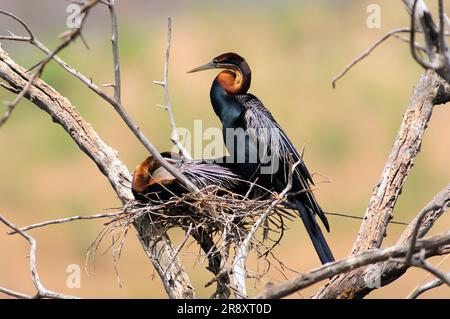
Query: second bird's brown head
point(150, 173)
point(236, 77)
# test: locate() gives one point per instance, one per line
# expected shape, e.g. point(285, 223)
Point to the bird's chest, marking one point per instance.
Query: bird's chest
point(237, 139)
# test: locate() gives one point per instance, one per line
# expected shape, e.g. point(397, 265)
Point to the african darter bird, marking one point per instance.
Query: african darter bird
point(152, 182)
point(240, 111)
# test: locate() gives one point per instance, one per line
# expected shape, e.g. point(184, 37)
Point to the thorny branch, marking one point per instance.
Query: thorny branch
point(115, 48)
point(174, 136)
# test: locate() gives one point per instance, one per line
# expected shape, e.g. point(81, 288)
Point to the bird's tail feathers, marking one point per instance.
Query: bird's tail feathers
point(314, 232)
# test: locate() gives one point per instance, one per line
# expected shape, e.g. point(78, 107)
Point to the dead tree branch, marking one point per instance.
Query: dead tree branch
point(174, 136)
point(429, 245)
point(351, 277)
point(156, 245)
point(425, 287)
point(65, 220)
point(436, 48)
point(378, 274)
point(367, 53)
point(41, 291)
point(115, 49)
point(117, 105)
point(69, 36)
point(438, 205)
point(429, 91)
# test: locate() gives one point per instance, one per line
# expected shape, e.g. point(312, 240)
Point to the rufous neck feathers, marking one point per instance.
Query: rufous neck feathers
point(233, 81)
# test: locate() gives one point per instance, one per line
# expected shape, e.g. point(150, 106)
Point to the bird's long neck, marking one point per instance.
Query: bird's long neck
point(233, 81)
point(225, 105)
point(236, 139)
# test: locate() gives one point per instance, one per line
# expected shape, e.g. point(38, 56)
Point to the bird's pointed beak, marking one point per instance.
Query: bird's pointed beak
point(207, 66)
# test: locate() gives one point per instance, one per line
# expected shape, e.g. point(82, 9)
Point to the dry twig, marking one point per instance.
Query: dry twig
point(41, 291)
point(174, 136)
point(425, 287)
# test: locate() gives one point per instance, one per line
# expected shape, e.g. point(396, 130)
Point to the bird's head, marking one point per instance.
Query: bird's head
point(235, 78)
point(150, 172)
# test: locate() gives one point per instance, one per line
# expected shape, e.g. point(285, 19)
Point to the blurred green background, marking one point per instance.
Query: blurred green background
point(294, 49)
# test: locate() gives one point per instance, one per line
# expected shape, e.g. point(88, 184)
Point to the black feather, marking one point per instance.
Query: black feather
point(314, 232)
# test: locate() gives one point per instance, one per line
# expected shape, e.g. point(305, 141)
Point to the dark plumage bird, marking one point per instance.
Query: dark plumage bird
point(151, 181)
point(259, 147)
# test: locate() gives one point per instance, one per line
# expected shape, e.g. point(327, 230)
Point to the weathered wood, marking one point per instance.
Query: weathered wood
point(429, 246)
point(157, 246)
point(431, 90)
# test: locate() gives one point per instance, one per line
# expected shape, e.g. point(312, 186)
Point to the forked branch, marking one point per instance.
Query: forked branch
point(41, 291)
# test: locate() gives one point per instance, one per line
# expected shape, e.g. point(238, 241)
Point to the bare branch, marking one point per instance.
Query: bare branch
point(425, 287)
point(156, 245)
point(216, 262)
point(14, 294)
point(118, 108)
point(174, 137)
point(412, 41)
point(19, 20)
point(373, 256)
point(442, 42)
point(42, 292)
point(387, 272)
point(406, 147)
point(431, 90)
point(432, 270)
point(65, 220)
point(367, 53)
point(438, 205)
point(178, 249)
point(70, 36)
point(115, 48)
point(240, 260)
point(435, 44)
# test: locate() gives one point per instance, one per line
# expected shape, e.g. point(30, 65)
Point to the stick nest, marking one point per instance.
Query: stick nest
point(214, 213)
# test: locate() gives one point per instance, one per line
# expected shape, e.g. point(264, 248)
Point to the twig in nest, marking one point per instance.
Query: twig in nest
point(244, 246)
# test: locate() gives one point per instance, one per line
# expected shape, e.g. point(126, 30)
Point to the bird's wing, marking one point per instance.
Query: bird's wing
point(264, 130)
point(203, 174)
